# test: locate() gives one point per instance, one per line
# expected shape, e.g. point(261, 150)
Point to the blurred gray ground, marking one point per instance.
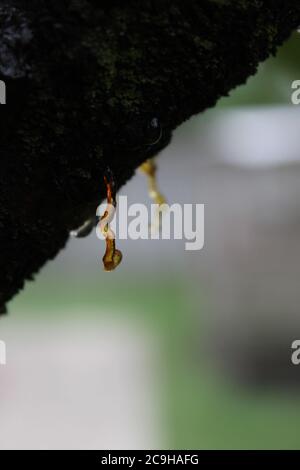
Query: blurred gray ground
point(69, 385)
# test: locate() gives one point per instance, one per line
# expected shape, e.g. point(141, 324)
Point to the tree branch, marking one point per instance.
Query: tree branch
point(84, 81)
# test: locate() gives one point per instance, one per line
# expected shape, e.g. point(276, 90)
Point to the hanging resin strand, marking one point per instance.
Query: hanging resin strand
point(86, 229)
point(149, 168)
point(112, 257)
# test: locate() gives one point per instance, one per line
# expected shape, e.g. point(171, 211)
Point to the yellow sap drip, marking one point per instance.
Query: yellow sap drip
point(149, 168)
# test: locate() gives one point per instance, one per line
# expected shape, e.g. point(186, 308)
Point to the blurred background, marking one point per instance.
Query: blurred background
point(176, 349)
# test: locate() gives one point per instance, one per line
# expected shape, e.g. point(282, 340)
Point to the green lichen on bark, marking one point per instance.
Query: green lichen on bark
point(84, 78)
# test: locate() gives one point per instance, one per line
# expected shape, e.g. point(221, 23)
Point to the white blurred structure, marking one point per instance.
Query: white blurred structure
point(79, 385)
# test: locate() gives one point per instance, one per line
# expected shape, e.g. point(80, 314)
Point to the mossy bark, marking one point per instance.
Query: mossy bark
point(84, 79)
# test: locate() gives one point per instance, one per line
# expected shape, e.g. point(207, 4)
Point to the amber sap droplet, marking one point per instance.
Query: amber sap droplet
point(149, 168)
point(112, 257)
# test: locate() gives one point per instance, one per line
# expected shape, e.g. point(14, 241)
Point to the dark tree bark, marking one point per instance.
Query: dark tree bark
point(84, 80)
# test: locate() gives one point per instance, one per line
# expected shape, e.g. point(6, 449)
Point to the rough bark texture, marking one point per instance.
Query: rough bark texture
point(84, 80)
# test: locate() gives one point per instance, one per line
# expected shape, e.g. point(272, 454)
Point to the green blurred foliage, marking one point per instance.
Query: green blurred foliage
point(204, 410)
point(272, 83)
